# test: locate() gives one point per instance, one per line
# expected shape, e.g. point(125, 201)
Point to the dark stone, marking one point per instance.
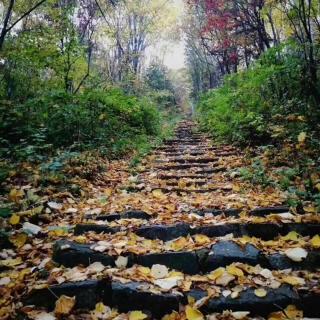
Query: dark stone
point(126, 215)
point(281, 261)
point(305, 229)
point(4, 241)
point(261, 212)
point(309, 303)
point(164, 232)
point(218, 230)
point(75, 254)
point(224, 253)
point(186, 262)
point(87, 294)
point(217, 212)
point(275, 300)
point(83, 228)
point(265, 231)
point(128, 297)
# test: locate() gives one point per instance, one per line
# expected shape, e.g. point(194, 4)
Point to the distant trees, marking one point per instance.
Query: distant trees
point(235, 33)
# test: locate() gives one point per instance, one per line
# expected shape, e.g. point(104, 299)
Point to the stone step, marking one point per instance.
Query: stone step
point(133, 214)
point(221, 254)
point(260, 212)
point(134, 296)
point(185, 190)
point(265, 231)
point(188, 160)
point(185, 166)
point(178, 177)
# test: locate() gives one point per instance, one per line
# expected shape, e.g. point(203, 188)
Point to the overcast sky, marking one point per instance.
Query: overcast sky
point(172, 54)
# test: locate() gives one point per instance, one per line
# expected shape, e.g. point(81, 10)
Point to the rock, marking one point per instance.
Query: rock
point(134, 214)
point(226, 252)
point(218, 230)
point(265, 231)
point(127, 297)
point(280, 261)
point(164, 232)
point(87, 294)
point(71, 254)
point(186, 262)
point(31, 228)
point(248, 301)
point(83, 228)
point(261, 212)
point(304, 229)
point(216, 212)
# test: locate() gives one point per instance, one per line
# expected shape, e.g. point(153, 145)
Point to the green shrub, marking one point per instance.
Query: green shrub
point(109, 119)
point(265, 102)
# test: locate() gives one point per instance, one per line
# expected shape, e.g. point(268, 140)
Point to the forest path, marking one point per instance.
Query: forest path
point(185, 226)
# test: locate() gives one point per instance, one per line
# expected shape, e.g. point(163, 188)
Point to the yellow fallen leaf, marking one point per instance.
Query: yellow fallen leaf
point(80, 239)
point(18, 240)
point(59, 232)
point(157, 193)
point(302, 137)
point(137, 315)
point(144, 270)
point(292, 236)
point(216, 273)
point(172, 316)
point(178, 244)
point(182, 184)
point(315, 241)
point(64, 305)
point(233, 270)
point(294, 281)
point(290, 312)
point(10, 262)
point(201, 239)
point(260, 292)
point(317, 186)
point(15, 195)
point(108, 192)
point(193, 314)
point(14, 219)
point(100, 307)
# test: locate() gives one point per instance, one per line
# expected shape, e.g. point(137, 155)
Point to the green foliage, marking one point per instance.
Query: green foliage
point(109, 119)
point(256, 174)
point(264, 102)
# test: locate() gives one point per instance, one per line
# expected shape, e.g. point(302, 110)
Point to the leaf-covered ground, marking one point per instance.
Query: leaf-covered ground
point(182, 236)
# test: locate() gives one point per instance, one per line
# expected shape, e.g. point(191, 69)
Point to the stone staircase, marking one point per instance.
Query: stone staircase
point(217, 256)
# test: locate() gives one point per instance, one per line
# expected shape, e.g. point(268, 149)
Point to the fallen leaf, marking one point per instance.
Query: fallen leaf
point(121, 262)
point(260, 292)
point(137, 315)
point(201, 239)
point(4, 281)
point(11, 262)
point(294, 281)
point(233, 270)
point(216, 273)
point(292, 236)
point(296, 254)
point(302, 137)
point(14, 219)
point(54, 205)
point(159, 271)
point(18, 240)
point(64, 305)
point(31, 228)
point(167, 283)
point(193, 314)
point(15, 195)
point(315, 241)
point(238, 315)
point(96, 267)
